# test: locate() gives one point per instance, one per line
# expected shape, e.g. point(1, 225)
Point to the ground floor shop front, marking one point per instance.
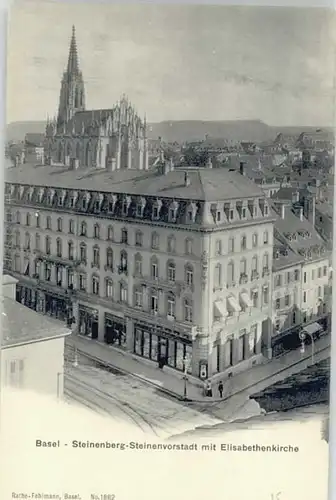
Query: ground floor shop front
point(54, 304)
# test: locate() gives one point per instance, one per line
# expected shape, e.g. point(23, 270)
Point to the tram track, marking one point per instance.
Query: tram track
point(71, 385)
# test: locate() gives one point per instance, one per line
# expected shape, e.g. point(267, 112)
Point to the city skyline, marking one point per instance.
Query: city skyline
point(169, 61)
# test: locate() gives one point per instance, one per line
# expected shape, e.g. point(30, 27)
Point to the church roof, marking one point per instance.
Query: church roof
point(205, 184)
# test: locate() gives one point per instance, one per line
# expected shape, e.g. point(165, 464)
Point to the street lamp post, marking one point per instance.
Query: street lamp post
point(186, 364)
point(303, 336)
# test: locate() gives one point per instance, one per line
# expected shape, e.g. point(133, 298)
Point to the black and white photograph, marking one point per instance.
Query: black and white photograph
point(168, 237)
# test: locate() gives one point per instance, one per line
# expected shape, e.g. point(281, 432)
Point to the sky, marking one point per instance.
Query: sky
point(190, 62)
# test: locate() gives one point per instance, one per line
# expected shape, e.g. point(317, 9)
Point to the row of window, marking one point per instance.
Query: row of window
point(241, 276)
point(122, 266)
point(124, 238)
point(244, 243)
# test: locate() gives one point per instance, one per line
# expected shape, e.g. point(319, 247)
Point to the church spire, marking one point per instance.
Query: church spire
point(73, 56)
point(72, 94)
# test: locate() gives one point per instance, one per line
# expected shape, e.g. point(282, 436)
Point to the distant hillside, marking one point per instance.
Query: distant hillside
point(181, 131)
point(240, 130)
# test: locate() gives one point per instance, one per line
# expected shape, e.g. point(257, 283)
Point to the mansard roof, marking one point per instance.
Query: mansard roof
point(204, 184)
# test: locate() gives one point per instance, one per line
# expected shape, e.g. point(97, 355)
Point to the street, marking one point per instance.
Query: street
point(129, 400)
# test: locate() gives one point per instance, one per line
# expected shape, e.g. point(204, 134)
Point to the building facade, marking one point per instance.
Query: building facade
point(32, 350)
point(168, 265)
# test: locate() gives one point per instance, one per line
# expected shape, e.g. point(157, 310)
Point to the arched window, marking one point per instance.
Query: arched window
point(243, 243)
point(83, 253)
point(83, 229)
point(95, 285)
point(96, 231)
point(70, 250)
point(124, 236)
point(109, 288)
point(171, 305)
point(189, 275)
point(218, 247)
point(59, 247)
point(171, 272)
point(68, 149)
point(265, 262)
point(27, 241)
point(48, 222)
point(243, 267)
point(255, 240)
point(138, 239)
point(37, 241)
point(109, 258)
point(217, 275)
point(155, 241)
point(47, 245)
point(230, 273)
point(171, 243)
point(231, 244)
point(189, 246)
point(110, 233)
point(255, 263)
point(154, 268)
point(18, 217)
point(138, 265)
point(123, 295)
point(17, 239)
point(59, 224)
point(123, 262)
point(188, 311)
point(28, 219)
point(96, 256)
point(265, 238)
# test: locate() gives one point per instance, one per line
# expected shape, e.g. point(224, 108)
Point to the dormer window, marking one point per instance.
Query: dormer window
point(98, 202)
point(156, 209)
point(125, 205)
point(30, 193)
point(61, 196)
point(244, 213)
point(191, 211)
point(266, 210)
point(21, 191)
point(85, 201)
point(173, 211)
point(218, 216)
point(141, 203)
point(111, 203)
point(231, 214)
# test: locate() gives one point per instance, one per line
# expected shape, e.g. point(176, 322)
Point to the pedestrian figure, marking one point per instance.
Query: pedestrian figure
point(208, 390)
point(220, 389)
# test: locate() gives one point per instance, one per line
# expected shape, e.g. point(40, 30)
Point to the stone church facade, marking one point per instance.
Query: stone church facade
point(113, 138)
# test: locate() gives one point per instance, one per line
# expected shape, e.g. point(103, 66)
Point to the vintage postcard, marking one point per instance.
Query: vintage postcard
point(167, 252)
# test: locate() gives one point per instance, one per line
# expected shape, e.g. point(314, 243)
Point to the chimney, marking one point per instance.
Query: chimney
point(186, 179)
point(209, 162)
point(74, 163)
point(241, 168)
point(283, 210)
point(171, 165)
point(111, 164)
point(301, 213)
point(296, 197)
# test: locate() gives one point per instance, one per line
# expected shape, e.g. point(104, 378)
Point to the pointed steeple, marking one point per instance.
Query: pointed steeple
point(73, 67)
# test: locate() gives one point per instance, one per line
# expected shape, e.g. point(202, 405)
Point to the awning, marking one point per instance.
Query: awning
point(312, 328)
point(220, 309)
point(246, 300)
point(233, 304)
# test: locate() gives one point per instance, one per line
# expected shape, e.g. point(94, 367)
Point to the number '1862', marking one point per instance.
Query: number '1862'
point(102, 497)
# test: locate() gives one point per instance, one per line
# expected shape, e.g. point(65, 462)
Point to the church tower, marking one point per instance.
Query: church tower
point(72, 96)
